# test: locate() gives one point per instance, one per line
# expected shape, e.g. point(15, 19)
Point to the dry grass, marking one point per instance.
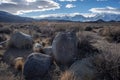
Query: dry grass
point(67, 75)
point(19, 63)
point(5, 73)
point(85, 49)
point(104, 31)
point(108, 63)
point(112, 34)
point(115, 34)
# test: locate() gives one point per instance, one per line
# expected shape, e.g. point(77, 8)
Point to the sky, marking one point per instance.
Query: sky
point(45, 8)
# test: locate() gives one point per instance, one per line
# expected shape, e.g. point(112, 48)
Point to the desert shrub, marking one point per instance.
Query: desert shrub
point(112, 34)
point(73, 29)
point(59, 29)
point(104, 31)
point(5, 30)
point(2, 37)
point(5, 73)
point(85, 48)
point(97, 27)
point(36, 35)
point(88, 28)
point(38, 30)
point(46, 31)
point(47, 41)
point(108, 63)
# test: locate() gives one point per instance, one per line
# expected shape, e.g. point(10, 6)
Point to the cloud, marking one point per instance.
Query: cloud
point(25, 6)
point(67, 0)
point(107, 9)
point(60, 15)
point(7, 1)
point(56, 15)
point(70, 6)
point(88, 14)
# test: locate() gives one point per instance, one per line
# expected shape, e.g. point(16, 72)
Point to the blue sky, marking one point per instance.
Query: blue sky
point(42, 8)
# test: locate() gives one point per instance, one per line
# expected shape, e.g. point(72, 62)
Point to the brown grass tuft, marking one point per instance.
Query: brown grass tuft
point(85, 49)
point(19, 63)
point(112, 34)
point(5, 73)
point(108, 63)
point(67, 75)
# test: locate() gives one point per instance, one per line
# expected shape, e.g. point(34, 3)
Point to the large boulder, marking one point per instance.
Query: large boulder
point(12, 53)
point(48, 50)
point(83, 69)
point(21, 41)
point(64, 47)
point(36, 66)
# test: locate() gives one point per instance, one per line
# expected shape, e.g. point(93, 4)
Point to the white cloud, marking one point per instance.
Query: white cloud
point(24, 6)
point(60, 15)
point(7, 1)
point(107, 9)
point(31, 0)
point(56, 15)
point(70, 6)
point(67, 0)
point(88, 14)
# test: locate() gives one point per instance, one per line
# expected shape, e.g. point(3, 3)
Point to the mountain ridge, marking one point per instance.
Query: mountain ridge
point(7, 17)
point(104, 17)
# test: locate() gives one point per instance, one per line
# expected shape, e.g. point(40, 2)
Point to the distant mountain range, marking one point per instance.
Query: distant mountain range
point(104, 17)
point(7, 17)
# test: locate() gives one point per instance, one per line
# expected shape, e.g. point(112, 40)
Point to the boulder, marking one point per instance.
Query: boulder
point(36, 66)
point(64, 47)
point(21, 41)
point(12, 53)
point(83, 69)
point(48, 50)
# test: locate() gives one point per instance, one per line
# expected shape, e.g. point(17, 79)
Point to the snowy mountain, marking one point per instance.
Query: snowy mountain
point(104, 17)
point(7, 17)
